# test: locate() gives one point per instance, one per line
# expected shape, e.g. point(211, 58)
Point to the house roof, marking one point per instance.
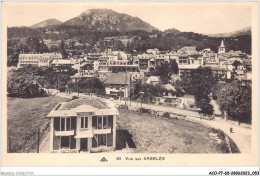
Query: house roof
point(93, 106)
point(153, 79)
point(118, 78)
point(188, 48)
point(169, 87)
point(61, 61)
point(219, 69)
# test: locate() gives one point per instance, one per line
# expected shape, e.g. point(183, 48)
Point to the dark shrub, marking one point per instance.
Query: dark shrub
point(166, 115)
point(74, 97)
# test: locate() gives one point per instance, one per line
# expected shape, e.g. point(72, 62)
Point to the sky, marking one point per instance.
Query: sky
point(205, 18)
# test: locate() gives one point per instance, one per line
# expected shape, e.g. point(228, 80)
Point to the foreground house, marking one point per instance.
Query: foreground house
point(83, 125)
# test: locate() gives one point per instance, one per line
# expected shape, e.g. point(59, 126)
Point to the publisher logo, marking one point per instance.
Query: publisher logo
point(103, 160)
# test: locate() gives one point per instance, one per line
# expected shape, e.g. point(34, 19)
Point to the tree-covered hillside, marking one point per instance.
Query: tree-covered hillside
point(92, 40)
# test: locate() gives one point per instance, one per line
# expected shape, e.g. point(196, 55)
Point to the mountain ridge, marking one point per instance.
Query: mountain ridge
point(45, 23)
point(243, 31)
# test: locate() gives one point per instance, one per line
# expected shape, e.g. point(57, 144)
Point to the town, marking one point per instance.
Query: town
point(154, 77)
point(105, 81)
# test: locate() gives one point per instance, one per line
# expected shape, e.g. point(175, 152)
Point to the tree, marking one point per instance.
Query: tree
point(150, 92)
point(186, 84)
point(236, 63)
point(203, 81)
point(12, 59)
point(23, 85)
point(236, 100)
point(162, 70)
point(43, 47)
point(174, 68)
point(53, 48)
point(33, 43)
point(62, 50)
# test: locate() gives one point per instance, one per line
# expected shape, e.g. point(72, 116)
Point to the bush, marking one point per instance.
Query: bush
point(166, 115)
point(123, 107)
point(62, 89)
point(143, 110)
point(74, 97)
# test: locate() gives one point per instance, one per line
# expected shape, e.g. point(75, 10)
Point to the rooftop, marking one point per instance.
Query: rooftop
point(96, 107)
point(118, 78)
point(219, 69)
point(153, 79)
point(86, 101)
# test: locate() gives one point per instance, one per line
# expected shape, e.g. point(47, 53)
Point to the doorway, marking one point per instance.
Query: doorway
point(84, 144)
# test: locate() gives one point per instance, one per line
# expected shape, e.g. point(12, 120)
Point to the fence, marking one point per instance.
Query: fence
point(31, 144)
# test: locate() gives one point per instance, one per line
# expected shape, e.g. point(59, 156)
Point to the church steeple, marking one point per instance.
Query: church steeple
point(221, 48)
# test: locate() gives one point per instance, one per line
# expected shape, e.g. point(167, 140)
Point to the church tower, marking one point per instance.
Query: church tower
point(222, 48)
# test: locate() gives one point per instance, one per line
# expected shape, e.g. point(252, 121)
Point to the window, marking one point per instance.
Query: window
point(84, 122)
point(105, 122)
point(102, 140)
point(183, 60)
point(100, 122)
point(68, 124)
point(63, 124)
point(64, 142)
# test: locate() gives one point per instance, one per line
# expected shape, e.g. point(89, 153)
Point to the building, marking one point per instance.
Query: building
point(118, 84)
point(37, 60)
point(188, 63)
point(210, 59)
point(153, 51)
point(87, 75)
point(221, 72)
point(122, 66)
point(83, 125)
point(62, 65)
point(93, 56)
point(187, 50)
point(222, 48)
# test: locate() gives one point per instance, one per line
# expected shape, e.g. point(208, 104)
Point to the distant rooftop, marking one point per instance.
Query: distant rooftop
point(118, 78)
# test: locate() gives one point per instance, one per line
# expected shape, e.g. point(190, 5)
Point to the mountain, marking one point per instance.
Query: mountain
point(109, 20)
point(45, 23)
point(244, 31)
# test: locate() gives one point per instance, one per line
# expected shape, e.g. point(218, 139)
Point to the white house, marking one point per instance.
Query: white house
point(83, 125)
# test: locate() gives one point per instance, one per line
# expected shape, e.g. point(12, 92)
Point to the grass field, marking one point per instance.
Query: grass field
point(25, 116)
point(152, 134)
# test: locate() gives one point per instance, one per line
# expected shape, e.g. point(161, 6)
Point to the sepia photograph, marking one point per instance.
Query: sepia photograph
point(157, 80)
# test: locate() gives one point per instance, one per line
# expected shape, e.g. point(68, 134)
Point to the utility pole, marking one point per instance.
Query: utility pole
point(9, 148)
point(58, 84)
point(78, 85)
point(125, 86)
point(130, 87)
point(38, 140)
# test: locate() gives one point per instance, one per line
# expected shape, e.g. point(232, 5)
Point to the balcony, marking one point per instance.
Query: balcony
point(102, 131)
point(84, 133)
point(64, 133)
